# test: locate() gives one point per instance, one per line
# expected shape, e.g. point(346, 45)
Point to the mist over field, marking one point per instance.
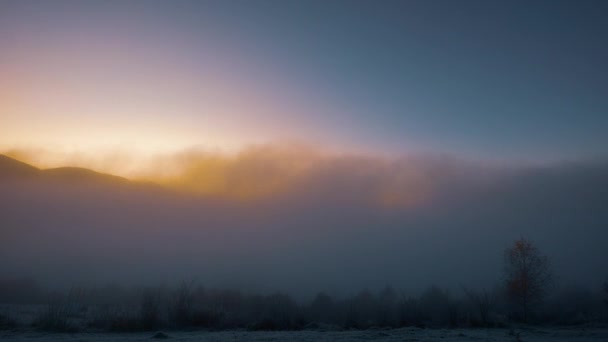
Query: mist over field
point(342, 224)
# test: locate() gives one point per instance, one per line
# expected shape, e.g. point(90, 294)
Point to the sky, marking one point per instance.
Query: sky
point(488, 80)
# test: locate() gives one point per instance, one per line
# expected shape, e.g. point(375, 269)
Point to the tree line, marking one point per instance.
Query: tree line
point(524, 295)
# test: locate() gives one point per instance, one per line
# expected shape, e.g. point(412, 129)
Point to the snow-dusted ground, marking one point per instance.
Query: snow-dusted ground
point(574, 334)
point(25, 314)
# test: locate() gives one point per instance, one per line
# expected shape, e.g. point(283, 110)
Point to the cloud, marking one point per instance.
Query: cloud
point(261, 172)
point(301, 171)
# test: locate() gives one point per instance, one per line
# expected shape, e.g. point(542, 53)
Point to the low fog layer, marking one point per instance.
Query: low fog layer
point(300, 222)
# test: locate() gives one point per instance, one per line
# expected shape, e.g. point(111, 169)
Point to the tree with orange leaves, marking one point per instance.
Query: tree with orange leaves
point(527, 275)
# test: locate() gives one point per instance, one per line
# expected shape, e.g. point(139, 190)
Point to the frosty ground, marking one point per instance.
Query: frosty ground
point(527, 334)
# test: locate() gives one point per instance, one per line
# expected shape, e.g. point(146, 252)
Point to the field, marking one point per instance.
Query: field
point(587, 333)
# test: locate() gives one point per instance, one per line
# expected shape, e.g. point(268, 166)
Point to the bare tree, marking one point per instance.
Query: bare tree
point(182, 306)
point(483, 303)
point(527, 275)
point(150, 309)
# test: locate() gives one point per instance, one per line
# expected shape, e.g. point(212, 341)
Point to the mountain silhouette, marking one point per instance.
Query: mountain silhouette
point(81, 174)
point(14, 170)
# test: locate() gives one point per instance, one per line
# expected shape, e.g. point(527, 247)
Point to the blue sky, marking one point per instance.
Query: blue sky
point(489, 77)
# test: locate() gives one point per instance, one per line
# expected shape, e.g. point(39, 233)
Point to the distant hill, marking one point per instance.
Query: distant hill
point(80, 174)
point(12, 168)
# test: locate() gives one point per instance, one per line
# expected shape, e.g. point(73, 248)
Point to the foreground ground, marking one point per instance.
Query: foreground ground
point(576, 334)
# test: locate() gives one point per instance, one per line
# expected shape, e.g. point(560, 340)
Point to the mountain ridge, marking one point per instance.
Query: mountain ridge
point(11, 167)
point(14, 169)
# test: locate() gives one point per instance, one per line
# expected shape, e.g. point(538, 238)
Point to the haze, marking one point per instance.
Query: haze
point(302, 145)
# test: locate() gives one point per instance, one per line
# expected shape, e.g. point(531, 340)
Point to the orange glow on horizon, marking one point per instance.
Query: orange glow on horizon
point(257, 172)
